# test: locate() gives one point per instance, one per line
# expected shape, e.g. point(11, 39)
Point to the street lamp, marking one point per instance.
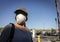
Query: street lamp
point(58, 18)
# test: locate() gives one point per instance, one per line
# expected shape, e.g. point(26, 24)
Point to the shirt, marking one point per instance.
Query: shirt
point(21, 36)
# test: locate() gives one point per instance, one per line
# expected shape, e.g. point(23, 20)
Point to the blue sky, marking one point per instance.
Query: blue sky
point(41, 13)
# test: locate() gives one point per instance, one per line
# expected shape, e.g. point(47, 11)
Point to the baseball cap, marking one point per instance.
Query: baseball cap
point(21, 10)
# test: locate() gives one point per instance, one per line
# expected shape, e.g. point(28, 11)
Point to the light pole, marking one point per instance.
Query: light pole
point(57, 9)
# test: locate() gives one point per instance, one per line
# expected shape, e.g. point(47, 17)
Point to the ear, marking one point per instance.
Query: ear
point(15, 17)
point(26, 18)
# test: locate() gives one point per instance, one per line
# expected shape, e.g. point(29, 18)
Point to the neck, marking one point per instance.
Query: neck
point(20, 26)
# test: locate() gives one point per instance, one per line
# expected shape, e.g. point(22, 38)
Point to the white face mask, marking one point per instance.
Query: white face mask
point(20, 18)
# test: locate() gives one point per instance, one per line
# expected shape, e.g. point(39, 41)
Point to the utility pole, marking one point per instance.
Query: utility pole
point(57, 9)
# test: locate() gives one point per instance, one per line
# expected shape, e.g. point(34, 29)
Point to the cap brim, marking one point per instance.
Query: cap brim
point(20, 11)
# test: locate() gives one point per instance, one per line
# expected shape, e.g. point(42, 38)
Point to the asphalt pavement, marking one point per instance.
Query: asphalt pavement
point(49, 39)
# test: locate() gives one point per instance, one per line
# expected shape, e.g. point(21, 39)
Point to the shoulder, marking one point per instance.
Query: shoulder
point(6, 30)
point(7, 27)
point(27, 29)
